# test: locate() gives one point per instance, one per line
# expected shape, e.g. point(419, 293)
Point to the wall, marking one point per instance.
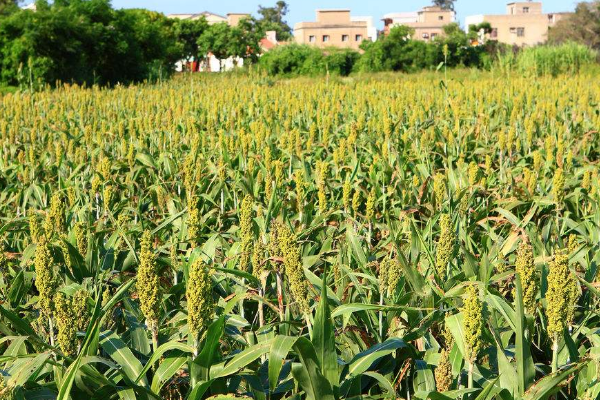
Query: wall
point(335, 24)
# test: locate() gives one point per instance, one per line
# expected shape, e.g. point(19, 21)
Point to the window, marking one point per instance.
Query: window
point(433, 36)
point(325, 38)
point(345, 38)
point(426, 36)
point(359, 38)
point(312, 38)
point(525, 10)
point(520, 32)
point(441, 18)
point(513, 30)
point(494, 33)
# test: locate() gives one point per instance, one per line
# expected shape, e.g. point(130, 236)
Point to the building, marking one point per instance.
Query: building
point(428, 23)
point(211, 18)
point(524, 23)
point(334, 28)
point(210, 63)
point(269, 42)
point(233, 19)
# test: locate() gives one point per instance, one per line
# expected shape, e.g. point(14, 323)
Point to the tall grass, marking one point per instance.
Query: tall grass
point(548, 60)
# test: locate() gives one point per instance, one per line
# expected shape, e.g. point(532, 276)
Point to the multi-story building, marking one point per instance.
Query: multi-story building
point(524, 23)
point(428, 23)
point(211, 18)
point(233, 19)
point(334, 28)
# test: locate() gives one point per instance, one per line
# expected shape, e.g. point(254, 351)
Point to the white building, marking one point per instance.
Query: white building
point(371, 28)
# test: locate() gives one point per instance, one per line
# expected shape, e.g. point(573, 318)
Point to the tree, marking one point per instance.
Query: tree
point(8, 6)
point(445, 4)
point(188, 31)
point(218, 41)
point(85, 41)
point(394, 52)
point(246, 37)
point(583, 26)
point(273, 20)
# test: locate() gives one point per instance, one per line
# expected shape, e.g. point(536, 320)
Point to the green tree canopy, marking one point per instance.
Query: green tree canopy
point(85, 41)
point(445, 4)
point(188, 31)
point(272, 19)
point(583, 26)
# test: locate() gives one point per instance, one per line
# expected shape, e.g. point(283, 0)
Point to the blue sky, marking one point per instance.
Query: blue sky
point(304, 10)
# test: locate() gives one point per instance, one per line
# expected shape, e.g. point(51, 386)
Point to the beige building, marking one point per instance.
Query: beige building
point(524, 23)
point(233, 19)
point(334, 28)
point(428, 23)
point(211, 18)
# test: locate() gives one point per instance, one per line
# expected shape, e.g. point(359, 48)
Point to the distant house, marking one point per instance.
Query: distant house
point(269, 42)
point(211, 18)
point(428, 23)
point(233, 19)
point(210, 63)
point(335, 28)
point(524, 23)
point(30, 6)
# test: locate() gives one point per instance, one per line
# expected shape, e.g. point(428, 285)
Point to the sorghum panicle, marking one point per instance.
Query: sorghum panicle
point(148, 282)
point(561, 295)
point(294, 271)
point(66, 323)
point(44, 277)
point(443, 373)
point(473, 322)
point(445, 246)
point(525, 267)
point(200, 303)
point(246, 232)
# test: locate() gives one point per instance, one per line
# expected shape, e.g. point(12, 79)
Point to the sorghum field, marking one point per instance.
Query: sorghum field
point(388, 236)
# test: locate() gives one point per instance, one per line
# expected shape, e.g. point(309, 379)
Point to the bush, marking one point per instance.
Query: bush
point(295, 59)
point(548, 60)
point(85, 42)
point(398, 52)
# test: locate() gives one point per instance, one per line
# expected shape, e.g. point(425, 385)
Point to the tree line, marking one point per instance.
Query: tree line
point(88, 41)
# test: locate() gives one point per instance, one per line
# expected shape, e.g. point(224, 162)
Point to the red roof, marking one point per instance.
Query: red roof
point(266, 44)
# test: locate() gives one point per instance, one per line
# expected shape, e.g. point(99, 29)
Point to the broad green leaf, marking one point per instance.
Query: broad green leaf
point(324, 339)
point(308, 373)
point(551, 383)
point(364, 360)
point(525, 366)
point(242, 359)
point(121, 354)
point(279, 350)
point(168, 367)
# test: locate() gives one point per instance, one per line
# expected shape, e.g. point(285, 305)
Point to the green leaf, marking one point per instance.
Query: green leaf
point(244, 358)
point(488, 391)
point(455, 324)
point(324, 339)
point(162, 349)
point(551, 383)
point(364, 360)
point(121, 354)
point(279, 350)
point(24, 371)
point(308, 374)
point(424, 379)
point(357, 250)
point(525, 366)
point(200, 368)
point(167, 368)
